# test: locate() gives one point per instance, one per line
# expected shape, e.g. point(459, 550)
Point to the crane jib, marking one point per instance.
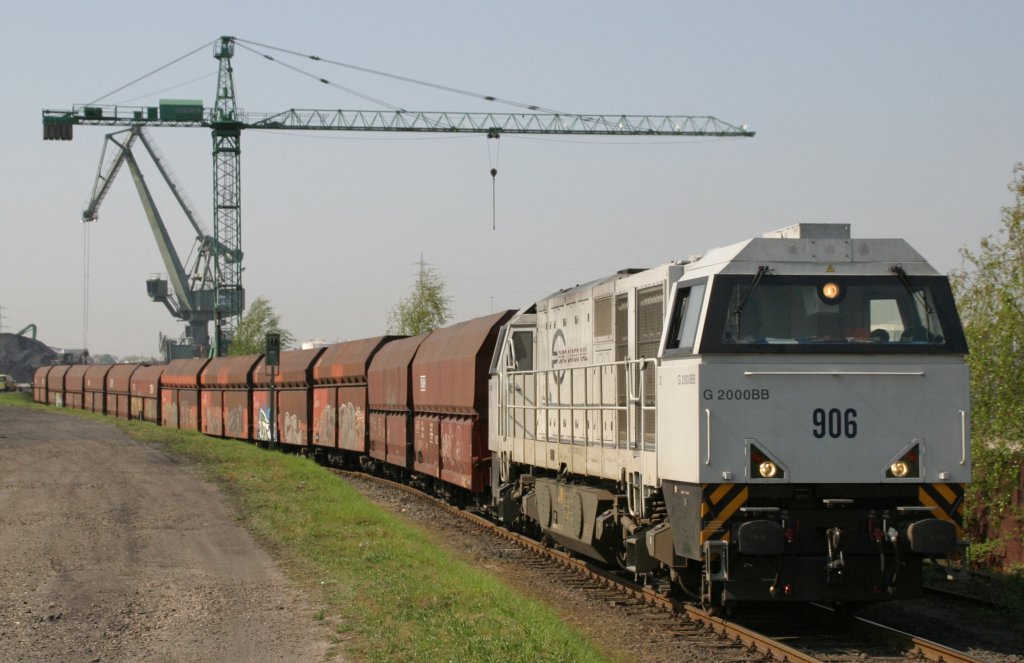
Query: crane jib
point(443, 122)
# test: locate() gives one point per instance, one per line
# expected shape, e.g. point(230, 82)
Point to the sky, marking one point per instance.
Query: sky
point(902, 119)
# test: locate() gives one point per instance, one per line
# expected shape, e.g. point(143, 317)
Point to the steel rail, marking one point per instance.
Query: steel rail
point(959, 596)
point(912, 645)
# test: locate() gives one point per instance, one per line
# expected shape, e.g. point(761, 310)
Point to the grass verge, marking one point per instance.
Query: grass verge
point(391, 592)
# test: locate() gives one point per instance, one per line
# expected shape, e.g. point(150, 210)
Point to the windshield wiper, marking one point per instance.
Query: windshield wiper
point(918, 296)
point(761, 271)
point(908, 284)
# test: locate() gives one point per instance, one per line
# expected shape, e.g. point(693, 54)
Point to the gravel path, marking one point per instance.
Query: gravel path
point(113, 550)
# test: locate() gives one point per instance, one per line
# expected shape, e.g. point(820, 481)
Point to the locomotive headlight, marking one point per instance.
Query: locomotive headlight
point(831, 293)
point(907, 465)
point(768, 469)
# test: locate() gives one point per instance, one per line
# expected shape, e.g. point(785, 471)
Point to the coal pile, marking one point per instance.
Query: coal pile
point(20, 356)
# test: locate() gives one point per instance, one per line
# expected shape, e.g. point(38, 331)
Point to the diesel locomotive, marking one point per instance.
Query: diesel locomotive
point(784, 419)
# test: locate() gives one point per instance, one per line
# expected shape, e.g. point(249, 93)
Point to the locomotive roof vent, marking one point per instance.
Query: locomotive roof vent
point(812, 231)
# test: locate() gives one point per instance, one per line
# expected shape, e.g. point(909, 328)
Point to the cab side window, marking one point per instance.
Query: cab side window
point(685, 316)
point(522, 350)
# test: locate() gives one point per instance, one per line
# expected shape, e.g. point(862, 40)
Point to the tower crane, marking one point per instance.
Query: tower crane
point(226, 123)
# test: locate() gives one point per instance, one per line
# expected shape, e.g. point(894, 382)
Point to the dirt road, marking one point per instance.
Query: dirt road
point(113, 550)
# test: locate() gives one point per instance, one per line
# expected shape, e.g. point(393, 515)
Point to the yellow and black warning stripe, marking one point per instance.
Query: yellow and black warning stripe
point(719, 503)
point(948, 500)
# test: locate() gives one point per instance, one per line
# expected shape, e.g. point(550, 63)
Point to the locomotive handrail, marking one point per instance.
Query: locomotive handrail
point(963, 437)
point(636, 392)
point(564, 406)
point(887, 373)
point(707, 413)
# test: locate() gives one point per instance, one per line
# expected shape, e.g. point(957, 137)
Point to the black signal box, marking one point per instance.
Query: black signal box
point(273, 350)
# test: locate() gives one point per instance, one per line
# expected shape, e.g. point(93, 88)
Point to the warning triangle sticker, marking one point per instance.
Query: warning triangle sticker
point(831, 269)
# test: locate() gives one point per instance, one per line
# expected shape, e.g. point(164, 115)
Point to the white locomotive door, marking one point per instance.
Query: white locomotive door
point(641, 372)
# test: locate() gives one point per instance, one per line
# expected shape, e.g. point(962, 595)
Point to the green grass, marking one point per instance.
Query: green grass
point(386, 587)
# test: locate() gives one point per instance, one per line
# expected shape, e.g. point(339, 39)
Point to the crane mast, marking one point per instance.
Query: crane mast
point(226, 123)
point(227, 201)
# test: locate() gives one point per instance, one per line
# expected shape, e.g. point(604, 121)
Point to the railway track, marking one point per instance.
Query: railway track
point(976, 588)
point(952, 595)
point(805, 634)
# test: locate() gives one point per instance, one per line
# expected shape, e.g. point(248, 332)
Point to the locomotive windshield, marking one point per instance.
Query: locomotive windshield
point(814, 314)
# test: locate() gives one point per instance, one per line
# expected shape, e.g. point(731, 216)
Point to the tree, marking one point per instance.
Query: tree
point(425, 309)
point(990, 297)
point(260, 320)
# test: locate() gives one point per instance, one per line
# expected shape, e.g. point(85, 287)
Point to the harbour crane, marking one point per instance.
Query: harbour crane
point(227, 122)
point(192, 293)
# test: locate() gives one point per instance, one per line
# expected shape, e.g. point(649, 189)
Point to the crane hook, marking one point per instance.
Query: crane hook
point(493, 133)
point(494, 222)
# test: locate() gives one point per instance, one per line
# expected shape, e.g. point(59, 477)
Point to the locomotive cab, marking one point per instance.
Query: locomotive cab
point(823, 427)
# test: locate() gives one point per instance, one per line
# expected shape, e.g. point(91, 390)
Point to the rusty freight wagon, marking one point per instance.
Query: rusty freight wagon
point(179, 394)
point(227, 396)
point(389, 392)
point(145, 393)
point(339, 395)
point(450, 374)
point(39, 384)
point(55, 385)
point(293, 380)
point(74, 386)
point(119, 389)
point(94, 388)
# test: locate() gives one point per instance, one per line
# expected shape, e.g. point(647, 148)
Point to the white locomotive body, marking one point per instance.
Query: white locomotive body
point(782, 419)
